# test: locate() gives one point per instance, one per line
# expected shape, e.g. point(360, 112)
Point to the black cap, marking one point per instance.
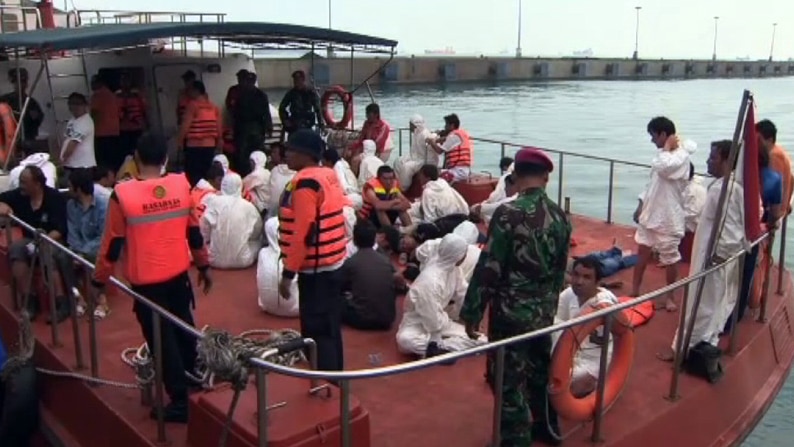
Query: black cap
point(242, 72)
point(307, 141)
point(298, 73)
point(190, 74)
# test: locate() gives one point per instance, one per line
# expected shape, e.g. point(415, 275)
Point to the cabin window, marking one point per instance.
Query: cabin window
point(10, 22)
point(112, 75)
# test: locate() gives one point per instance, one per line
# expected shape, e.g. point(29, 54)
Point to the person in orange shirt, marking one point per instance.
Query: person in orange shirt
point(183, 99)
point(132, 110)
point(105, 113)
point(200, 134)
point(314, 240)
point(779, 159)
point(150, 218)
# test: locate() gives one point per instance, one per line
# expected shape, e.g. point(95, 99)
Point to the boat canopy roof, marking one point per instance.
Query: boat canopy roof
point(253, 34)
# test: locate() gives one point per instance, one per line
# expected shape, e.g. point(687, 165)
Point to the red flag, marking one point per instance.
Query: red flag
point(751, 178)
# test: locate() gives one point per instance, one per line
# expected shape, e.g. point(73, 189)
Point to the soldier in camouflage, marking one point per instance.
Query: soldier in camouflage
point(520, 274)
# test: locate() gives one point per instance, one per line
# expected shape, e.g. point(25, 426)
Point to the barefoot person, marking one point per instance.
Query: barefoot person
point(660, 213)
point(721, 288)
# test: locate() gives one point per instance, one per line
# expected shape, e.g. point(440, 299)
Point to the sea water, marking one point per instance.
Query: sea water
point(607, 119)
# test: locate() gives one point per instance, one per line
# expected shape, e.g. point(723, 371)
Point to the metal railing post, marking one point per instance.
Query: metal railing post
point(559, 181)
point(498, 396)
point(598, 417)
point(157, 357)
point(782, 258)
point(47, 265)
point(735, 313)
point(767, 271)
point(678, 355)
point(93, 347)
point(400, 142)
point(611, 191)
point(261, 405)
point(78, 344)
point(344, 413)
point(504, 149)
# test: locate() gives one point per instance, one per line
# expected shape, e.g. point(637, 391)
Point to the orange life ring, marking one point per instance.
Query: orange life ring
point(583, 409)
point(337, 92)
point(759, 276)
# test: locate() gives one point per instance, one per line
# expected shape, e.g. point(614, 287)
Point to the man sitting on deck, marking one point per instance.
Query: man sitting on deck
point(457, 148)
point(721, 288)
point(377, 130)
point(383, 201)
point(366, 164)
point(426, 328)
point(584, 292)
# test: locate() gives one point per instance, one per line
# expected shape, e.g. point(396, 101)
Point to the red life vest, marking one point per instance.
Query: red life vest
point(132, 111)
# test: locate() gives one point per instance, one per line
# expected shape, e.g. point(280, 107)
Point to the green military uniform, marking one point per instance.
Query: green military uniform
point(520, 274)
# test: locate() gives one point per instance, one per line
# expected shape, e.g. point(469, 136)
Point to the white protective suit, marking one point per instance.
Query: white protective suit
point(280, 176)
point(438, 199)
point(408, 165)
point(370, 163)
point(231, 226)
point(498, 197)
point(721, 288)
point(588, 358)
point(268, 275)
point(694, 200)
point(429, 249)
point(424, 317)
point(662, 219)
point(220, 158)
point(257, 182)
point(40, 160)
point(349, 183)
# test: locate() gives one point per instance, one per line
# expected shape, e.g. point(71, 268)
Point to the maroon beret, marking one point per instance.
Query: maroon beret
point(533, 155)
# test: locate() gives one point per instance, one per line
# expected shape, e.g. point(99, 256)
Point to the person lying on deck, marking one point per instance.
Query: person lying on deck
point(428, 250)
point(231, 226)
point(583, 293)
point(438, 198)
point(383, 201)
point(721, 288)
point(268, 274)
point(369, 283)
point(426, 328)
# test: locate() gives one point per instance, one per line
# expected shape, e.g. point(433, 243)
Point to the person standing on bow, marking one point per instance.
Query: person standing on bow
point(150, 218)
point(314, 240)
point(300, 108)
point(520, 275)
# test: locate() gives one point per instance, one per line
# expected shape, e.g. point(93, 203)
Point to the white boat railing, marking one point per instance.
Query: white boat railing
point(342, 378)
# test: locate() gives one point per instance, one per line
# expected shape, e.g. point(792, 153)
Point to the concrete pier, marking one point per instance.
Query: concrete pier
point(275, 73)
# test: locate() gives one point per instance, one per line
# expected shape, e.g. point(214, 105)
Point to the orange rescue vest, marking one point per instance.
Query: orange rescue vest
point(327, 239)
point(132, 111)
point(8, 127)
point(157, 213)
point(205, 122)
point(462, 155)
point(380, 191)
point(197, 195)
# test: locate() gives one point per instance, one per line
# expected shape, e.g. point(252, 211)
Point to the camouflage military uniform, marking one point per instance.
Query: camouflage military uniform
point(520, 274)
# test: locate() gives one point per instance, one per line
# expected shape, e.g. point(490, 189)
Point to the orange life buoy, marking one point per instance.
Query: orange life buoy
point(8, 127)
point(583, 409)
point(639, 314)
point(337, 92)
point(759, 276)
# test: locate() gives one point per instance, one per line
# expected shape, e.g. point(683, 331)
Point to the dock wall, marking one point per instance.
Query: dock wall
point(275, 73)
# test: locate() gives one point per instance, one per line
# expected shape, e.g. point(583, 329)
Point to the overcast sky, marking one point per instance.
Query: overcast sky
point(668, 28)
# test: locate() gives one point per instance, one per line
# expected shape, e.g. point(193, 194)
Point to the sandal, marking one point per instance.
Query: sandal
point(101, 312)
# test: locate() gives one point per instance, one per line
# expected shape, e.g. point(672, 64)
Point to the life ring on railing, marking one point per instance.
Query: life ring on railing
point(583, 409)
point(337, 93)
point(759, 276)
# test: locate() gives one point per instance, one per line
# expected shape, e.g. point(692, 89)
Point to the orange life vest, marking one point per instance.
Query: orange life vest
point(204, 126)
point(197, 194)
point(132, 111)
point(8, 127)
point(157, 214)
point(462, 155)
point(380, 191)
point(326, 242)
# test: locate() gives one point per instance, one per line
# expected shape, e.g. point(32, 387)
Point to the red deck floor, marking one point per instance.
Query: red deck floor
point(447, 406)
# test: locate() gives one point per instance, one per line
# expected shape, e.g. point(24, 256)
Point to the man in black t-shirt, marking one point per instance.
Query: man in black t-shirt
point(43, 208)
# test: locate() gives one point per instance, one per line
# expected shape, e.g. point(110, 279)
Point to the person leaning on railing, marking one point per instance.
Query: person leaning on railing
point(151, 217)
point(43, 208)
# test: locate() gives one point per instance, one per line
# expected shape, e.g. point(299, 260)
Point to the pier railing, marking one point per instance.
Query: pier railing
point(343, 378)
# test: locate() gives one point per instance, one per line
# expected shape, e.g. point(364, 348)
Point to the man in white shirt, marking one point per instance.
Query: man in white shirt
point(584, 292)
point(77, 150)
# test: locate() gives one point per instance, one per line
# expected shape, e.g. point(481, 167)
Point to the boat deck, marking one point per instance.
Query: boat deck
point(441, 406)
